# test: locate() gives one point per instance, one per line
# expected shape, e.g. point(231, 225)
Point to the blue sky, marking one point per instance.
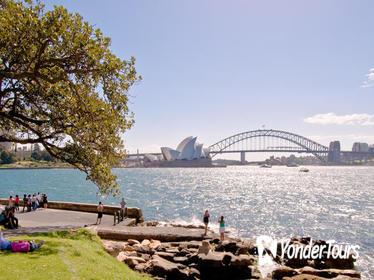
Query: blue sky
point(215, 68)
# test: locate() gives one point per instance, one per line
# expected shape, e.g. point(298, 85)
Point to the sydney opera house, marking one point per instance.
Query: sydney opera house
point(188, 153)
point(188, 149)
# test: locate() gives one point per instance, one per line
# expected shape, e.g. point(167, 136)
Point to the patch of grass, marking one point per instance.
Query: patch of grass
point(65, 255)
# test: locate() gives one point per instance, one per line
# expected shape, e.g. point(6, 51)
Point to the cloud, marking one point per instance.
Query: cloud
point(332, 118)
point(369, 82)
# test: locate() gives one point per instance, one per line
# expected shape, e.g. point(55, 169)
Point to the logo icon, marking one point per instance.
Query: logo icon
point(267, 250)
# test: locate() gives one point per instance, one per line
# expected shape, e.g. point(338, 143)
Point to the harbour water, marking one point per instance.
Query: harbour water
point(331, 203)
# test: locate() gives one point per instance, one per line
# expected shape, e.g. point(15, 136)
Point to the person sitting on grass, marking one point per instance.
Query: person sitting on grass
point(18, 246)
point(5, 218)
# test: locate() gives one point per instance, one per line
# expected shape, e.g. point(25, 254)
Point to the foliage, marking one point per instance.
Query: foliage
point(64, 255)
point(61, 86)
point(6, 156)
point(38, 154)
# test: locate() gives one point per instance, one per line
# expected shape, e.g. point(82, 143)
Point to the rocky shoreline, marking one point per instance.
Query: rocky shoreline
point(208, 258)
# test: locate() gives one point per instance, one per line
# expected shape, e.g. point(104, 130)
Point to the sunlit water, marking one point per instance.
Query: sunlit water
point(326, 203)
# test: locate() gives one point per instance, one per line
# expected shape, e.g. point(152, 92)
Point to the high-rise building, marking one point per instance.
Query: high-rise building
point(360, 147)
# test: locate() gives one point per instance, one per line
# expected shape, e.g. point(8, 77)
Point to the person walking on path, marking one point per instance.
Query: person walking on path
point(123, 208)
point(100, 210)
point(206, 221)
point(221, 222)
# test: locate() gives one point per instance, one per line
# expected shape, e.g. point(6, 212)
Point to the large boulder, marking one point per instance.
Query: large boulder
point(163, 268)
point(330, 273)
point(113, 247)
point(223, 265)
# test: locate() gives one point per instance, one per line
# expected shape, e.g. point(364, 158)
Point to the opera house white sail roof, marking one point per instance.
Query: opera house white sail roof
point(188, 149)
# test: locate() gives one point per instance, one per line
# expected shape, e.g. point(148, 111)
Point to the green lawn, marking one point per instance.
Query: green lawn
point(64, 255)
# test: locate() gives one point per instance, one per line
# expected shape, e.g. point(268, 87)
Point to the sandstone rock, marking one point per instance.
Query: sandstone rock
point(164, 268)
point(284, 271)
point(133, 241)
point(129, 248)
point(165, 255)
point(143, 249)
point(242, 250)
point(145, 242)
point(243, 260)
point(303, 277)
point(204, 248)
point(155, 244)
point(112, 247)
point(182, 260)
point(182, 253)
point(151, 223)
point(296, 262)
point(140, 267)
point(193, 272)
point(329, 273)
point(121, 256)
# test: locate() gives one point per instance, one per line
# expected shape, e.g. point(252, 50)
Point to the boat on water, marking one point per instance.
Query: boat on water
point(265, 166)
point(304, 169)
point(292, 164)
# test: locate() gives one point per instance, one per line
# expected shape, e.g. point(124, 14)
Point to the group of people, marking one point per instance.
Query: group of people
point(34, 202)
point(221, 222)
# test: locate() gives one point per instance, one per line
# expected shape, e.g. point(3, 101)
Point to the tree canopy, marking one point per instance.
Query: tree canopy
point(62, 87)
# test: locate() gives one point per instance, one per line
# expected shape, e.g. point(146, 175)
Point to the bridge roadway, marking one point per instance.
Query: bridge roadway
point(268, 151)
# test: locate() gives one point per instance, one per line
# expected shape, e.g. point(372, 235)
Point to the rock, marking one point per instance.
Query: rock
point(182, 260)
point(340, 263)
point(284, 271)
point(143, 249)
point(121, 256)
point(182, 253)
point(243, 260)
point(155, 244)
point(242, 250)
point(214, 241)
point(140, 267)
point(193, 272)
point(204, 248)
point(296, 262)
point(145, 242)
point(130, 248)
point(166, 255)
point(330, 273)
point(303, 277)
point(112, 247)
point(133, 242)
point(151, 223)
point(223, 265)
point(163, 268)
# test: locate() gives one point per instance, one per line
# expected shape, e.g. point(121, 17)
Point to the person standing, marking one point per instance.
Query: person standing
point(206, 221)
point(11, 201)
point(123, 208)
point(45, 201)
point(24, 202)
point(100, 210)
point(221, 222)
point(16, 203)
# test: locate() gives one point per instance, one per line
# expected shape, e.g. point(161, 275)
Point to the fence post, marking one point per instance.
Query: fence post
point(114, 218)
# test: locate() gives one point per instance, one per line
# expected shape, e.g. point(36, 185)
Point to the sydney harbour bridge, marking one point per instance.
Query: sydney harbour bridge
point(278, 141)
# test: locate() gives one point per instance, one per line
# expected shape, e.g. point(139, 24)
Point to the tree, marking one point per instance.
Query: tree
point(62, 87)
point(7, 157)
point(36, 153)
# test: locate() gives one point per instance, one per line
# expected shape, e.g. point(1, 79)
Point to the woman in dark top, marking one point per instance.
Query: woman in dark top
point(206, 221)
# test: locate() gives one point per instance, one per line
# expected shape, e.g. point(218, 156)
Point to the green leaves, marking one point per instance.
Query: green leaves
point(61, 86)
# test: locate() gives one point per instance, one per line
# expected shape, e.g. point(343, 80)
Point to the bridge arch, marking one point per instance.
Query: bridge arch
point(308, 145)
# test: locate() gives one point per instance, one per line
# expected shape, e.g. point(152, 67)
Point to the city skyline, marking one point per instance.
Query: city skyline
point(216, 68)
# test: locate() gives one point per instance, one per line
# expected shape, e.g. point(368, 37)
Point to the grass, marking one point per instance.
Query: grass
point(35, 164)
point(64, 255)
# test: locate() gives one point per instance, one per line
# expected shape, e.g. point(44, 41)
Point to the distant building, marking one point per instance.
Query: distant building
point(371, 148)
point(360, 147)
point(334, 152)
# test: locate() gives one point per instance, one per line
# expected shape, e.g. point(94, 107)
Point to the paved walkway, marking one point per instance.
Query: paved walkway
point(46, 220)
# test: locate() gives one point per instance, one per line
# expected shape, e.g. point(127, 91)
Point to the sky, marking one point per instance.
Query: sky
point(212, 69)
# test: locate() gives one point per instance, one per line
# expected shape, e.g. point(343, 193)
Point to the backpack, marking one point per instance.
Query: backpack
point(20, 246)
